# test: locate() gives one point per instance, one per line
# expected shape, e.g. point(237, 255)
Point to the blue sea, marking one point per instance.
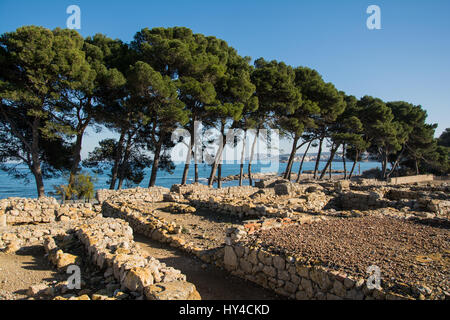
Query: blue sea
point(10, 187)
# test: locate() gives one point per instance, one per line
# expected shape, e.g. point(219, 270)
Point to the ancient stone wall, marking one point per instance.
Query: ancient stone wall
point(12, 238)
point(153, 194)
point(14, 211)
point(288, 277)
point(411, 179)
point(159, 230)
point(419, 203)
point(23, 210)
point(110, 245)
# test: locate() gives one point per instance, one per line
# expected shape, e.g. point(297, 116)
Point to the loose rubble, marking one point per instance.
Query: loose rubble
point(313, 240)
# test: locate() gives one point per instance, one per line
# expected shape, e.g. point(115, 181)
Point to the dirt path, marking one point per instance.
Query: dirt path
point(21, 270)
point(211, 282)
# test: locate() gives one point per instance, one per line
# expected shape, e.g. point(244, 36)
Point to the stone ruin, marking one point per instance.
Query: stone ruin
point(105, 231)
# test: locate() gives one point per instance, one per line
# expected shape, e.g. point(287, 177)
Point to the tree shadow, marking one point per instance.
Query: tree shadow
point(435, 223)
point(211, 282)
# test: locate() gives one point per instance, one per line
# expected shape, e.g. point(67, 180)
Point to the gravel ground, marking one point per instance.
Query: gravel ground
point(19, 271)
point(406, 251)
point(204, 228)
point(212, 283)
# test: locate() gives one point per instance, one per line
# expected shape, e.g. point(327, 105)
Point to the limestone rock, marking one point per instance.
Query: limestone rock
point(137, 279)
point(36, 289)
point(177, 290)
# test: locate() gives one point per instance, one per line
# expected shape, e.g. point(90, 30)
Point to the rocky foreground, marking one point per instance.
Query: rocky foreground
point(407, 252)
point(313, 240)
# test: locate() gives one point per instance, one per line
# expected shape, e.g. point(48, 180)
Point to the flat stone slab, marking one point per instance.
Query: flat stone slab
point(176, 290)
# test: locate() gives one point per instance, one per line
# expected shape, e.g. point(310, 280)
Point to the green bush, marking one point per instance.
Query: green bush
point(81, 188)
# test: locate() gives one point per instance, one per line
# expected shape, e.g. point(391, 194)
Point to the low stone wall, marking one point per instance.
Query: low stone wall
point(240, 207)
point(110, 246)
point(159, 230)
point(289, 276)
point(188, 188)
point(12, 238)
point(285, 200)
point(23, 210)
point(358, 200)
point(417, 202)
point(14, 211)
point(153, 194)
point(411, 179)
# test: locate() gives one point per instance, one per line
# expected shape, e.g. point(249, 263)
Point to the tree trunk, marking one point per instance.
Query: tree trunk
point(219, 176)
point(37, 172)
point(124, 161)
point(384, 165)
point(188, 157)
point(316, 168)
point(196, 172)
point(76, 158)
point(218, 160)
point(397, 161)
point(287, 173)
point(417, 166)
point(333, 152)
point(77, 150)
point(252, 153)
point(241, 172)
point(344, 149)
point(155, 164)
point(354, 165)
point(36, 162)
point(303, 160)
point(118, 155)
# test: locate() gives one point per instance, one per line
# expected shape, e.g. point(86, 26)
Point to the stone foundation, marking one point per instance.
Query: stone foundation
point(153, 194)
point(110, 245)
point(159, 230)
point(290, 277)
point(15, 211)
point(411, 179)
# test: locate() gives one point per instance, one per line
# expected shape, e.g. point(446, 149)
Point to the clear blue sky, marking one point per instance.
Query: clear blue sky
point(408, 59)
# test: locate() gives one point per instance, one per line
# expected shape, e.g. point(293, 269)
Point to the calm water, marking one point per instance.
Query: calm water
point(10, 187)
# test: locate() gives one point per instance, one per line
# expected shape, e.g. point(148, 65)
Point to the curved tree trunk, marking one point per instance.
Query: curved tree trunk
point(287, 173)
point(241, 172)
point(124, 161)
point(218, 160)
point(37, 172)
point(303, 160)
point(354, 165)
point(77, 158)
point(36, 162)
point(395, 165)
point(118, 155)
point(77, 149)
point(316, 168)
point(188, 157)
point(252, 153)
point(155, 164)
point(330, 160)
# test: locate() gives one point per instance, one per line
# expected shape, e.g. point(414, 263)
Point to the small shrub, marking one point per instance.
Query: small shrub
point(81, 188)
